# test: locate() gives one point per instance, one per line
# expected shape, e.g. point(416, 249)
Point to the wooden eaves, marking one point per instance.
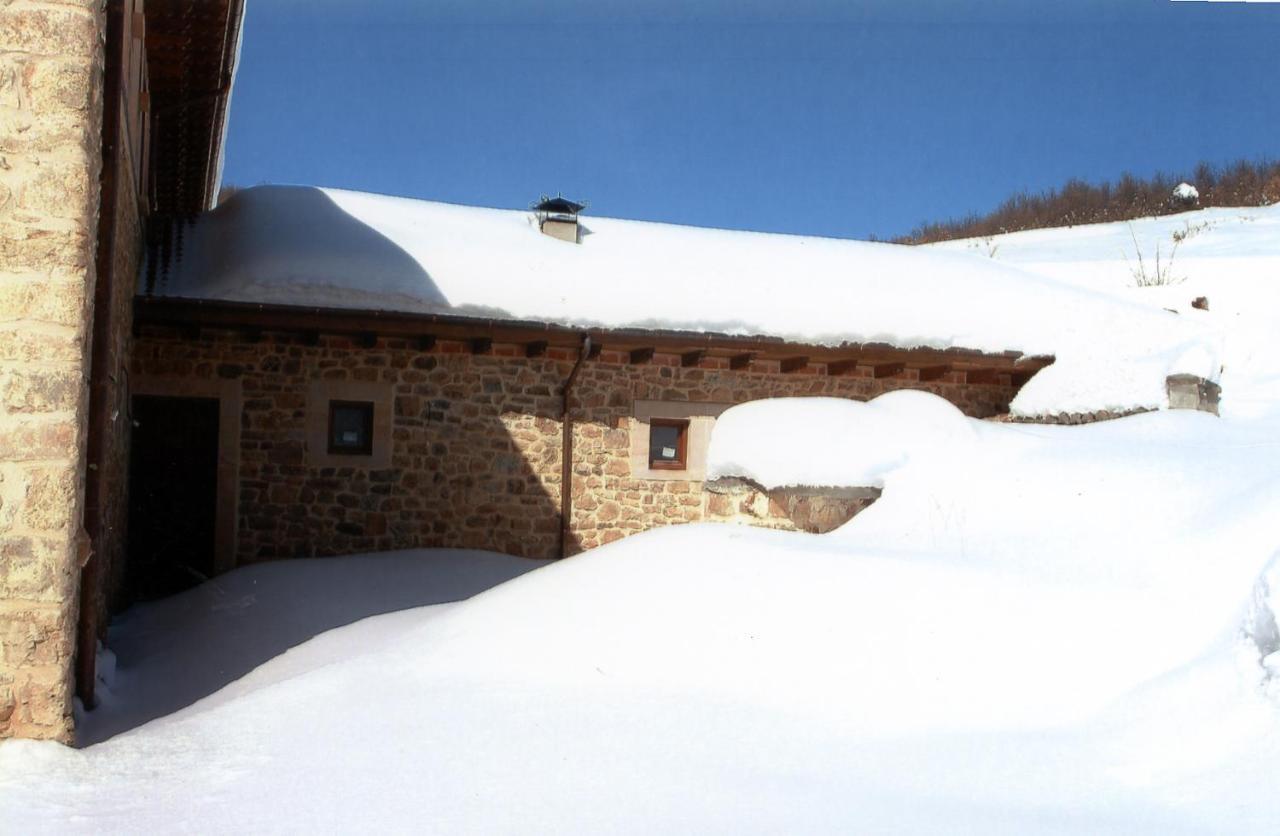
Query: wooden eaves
point(633, 345)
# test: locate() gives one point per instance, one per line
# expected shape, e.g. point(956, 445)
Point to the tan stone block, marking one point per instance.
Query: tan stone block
point(34, 569)
point(48, 250)
point(50, 30)
point(54, 83)
point(26, 346)
point(63, 189)
point(37, 299)
point(40, 390)
point(35, 636)
point(34, 438)
point(53, 133)
point(42, 704)
point(51, 499)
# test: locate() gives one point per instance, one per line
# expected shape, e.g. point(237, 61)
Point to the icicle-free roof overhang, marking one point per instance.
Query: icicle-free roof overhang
point(192, 51)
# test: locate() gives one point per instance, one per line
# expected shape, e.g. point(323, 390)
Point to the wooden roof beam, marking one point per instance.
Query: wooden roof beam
point(840, 368)
point(791, 365)
point(640, 356)
point(980, 376)
point(692, 358)
point(536, 348)
point(930, 373)
point(741, 362)
point(883, 370)
point(481, 345)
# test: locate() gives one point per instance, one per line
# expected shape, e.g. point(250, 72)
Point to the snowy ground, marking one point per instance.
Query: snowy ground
point(1035, 629)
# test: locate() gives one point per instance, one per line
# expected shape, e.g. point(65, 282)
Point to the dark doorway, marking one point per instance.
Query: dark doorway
point(173, 495)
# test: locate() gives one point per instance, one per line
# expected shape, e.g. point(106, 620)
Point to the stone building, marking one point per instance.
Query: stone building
point(110, 118)
point(185, 391)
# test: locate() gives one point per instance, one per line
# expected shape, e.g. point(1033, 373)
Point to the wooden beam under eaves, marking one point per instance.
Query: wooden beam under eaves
point(793, 364)
point(481, 345)
point(691, 358)
point(537, 348)
point(836, 368)
point(1020, 377)
point(980, 376)
point(741, 362)
point(928, 373)
point(642, 355)
point(881, 370)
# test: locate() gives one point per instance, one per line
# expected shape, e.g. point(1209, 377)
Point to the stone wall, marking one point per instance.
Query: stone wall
point(816, 510)
point(50, 113)
point(111, 384)
point(475, 440)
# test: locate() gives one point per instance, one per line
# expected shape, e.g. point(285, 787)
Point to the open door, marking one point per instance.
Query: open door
point(173, 489)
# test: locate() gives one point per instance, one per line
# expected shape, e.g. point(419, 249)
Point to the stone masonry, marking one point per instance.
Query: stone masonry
point(50, 117)
point(475, 448)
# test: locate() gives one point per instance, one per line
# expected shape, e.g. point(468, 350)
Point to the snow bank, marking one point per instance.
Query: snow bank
point(325, 247)
point(1034, 629)
point(831, 442)
point(1229, 255)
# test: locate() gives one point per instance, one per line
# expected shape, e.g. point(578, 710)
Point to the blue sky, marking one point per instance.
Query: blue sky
point(831, 118)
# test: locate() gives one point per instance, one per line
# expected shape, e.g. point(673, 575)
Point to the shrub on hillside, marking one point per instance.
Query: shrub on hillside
point(1076, 202)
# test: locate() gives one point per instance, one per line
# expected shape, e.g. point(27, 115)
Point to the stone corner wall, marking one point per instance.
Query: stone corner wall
point(816, 510)
point(51, 57)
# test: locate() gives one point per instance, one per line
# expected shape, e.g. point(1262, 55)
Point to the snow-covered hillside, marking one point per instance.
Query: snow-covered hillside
point(1229, 256)
point(331, 248)
point(1035, 629)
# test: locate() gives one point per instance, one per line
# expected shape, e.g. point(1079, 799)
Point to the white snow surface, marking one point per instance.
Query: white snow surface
point(844, 443)
point(1034, 629)
point(1231, 256)
point(331, 248)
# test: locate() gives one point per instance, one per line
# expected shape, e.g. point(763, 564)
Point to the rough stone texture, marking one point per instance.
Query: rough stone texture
point(50, 117)
point(815, 510)
point(476, 440)
point(112, 512)
point(1071, 418)
point(1187, 391)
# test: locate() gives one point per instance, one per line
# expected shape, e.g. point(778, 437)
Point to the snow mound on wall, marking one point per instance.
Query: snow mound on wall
point(331, 248)
point(831, 442)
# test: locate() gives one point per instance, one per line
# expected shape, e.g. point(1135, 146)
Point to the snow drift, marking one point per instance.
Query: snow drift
point(1035, 628)
point(330, 248)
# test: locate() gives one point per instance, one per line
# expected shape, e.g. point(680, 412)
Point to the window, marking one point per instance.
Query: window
point(351, 428)
point(668, 443)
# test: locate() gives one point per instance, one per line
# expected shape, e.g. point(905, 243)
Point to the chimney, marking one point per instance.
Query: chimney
point(558, 217)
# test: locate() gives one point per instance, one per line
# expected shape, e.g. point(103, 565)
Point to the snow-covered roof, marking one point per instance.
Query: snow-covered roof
point(331, 248)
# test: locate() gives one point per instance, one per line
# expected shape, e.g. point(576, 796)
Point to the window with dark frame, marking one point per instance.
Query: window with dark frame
point(668, 444)
point(351, 428)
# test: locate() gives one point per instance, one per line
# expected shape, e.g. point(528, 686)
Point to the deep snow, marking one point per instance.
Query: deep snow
point(333, 248)
point(1035, 629)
